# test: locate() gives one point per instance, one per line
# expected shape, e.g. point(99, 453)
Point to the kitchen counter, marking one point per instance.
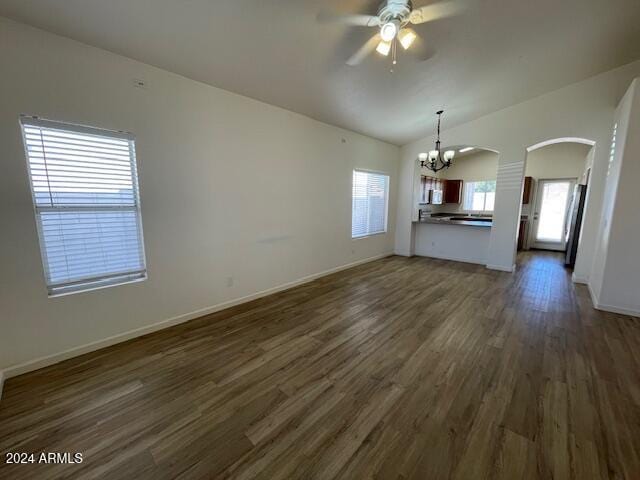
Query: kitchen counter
point(455, 221)
point(460, 237)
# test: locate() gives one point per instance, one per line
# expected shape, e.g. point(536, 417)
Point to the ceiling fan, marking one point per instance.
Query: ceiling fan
point(392, 22)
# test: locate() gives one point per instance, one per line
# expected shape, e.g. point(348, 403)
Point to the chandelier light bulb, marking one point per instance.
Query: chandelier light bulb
point(437, 160)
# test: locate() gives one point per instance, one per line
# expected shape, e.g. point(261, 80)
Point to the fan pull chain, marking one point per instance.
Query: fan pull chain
point(394, 53)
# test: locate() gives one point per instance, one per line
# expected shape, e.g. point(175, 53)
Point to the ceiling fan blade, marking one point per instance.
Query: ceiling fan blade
point(364, 51)
point(435, 11)
point(349, 19)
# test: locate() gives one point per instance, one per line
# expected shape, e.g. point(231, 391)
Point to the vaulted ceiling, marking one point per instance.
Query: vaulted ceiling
point(497, 53)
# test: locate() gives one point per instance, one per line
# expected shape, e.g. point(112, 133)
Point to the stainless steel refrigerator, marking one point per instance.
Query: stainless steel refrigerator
point(574, 223)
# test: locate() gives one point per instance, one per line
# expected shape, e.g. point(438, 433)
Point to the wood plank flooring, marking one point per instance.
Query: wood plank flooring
point(397, 369)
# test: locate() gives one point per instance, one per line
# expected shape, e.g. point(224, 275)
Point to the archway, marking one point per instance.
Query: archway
point(538, 185)
point(462, 195)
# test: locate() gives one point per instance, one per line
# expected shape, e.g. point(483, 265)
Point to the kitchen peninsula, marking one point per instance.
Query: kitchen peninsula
point(453, 236)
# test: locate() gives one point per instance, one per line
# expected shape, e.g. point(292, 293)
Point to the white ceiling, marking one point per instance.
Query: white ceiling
point(498, 53)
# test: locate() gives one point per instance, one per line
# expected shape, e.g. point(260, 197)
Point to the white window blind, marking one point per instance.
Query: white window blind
point(85, 192)
point(479, 196)
point(369, 203)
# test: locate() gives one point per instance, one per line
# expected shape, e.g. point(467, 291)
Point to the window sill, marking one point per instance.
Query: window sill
point(96, 285)
point(369, 235)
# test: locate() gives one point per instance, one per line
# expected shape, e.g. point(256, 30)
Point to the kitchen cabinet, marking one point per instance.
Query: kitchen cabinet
point(522, 234)
point(424, 192)
point(438, 191)
point(526, 193)
point(452, 191)
point(426, 189)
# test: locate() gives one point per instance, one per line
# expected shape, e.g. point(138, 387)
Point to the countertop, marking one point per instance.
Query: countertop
point(456, 219)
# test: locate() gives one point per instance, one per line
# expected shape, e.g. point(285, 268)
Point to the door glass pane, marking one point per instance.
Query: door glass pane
point(552, 211)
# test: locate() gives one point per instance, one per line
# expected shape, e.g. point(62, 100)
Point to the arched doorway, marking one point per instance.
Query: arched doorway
point(555, 198)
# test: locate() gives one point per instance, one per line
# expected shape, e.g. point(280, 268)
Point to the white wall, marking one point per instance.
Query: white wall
point(476, 166)
point(583, 110)
point(453, 242)
point(230, 187)
point(616, 269)
point(560, 160)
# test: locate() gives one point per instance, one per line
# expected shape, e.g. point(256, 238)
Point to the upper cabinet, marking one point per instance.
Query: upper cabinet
point(526, 193)
point(426, 186)
point(438, 191)
point(452, 191)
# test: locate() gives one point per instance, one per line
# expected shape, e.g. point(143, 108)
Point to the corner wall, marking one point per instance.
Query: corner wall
point(239, 198)
point(615, 283)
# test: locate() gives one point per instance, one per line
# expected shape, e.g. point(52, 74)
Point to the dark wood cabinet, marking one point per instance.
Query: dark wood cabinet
point(452, 191)
point(526, 193)
point(425, 188)
point(438, 191)
point(522, 234)
point(427, 185)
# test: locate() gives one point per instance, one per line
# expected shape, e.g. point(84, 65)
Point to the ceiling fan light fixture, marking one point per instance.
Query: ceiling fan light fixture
point(384, 48)
point(407, 37)
point(388, 31)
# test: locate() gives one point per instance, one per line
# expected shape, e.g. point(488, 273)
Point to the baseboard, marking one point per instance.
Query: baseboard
point(451, 258)
point(594, 297)
point(619, 310)
point(48, 360)
point(610, 308)
point(579, 279)
point(502, 268)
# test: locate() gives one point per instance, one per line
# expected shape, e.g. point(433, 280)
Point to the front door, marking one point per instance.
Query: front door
point(550, 216)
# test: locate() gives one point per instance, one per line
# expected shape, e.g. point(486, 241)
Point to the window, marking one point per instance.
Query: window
point(85, 192)
point(479, 196)
point(369, 203)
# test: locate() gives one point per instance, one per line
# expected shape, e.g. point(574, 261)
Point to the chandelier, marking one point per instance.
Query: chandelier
point(435, 160)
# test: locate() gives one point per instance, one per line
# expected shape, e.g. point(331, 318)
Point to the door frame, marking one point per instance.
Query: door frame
point(554, 246)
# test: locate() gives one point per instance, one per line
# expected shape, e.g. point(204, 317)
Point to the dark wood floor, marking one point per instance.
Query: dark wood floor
point(401, 368)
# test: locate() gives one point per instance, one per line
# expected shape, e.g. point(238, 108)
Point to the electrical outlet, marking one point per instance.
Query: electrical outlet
point(230, 282)
point(139, 83)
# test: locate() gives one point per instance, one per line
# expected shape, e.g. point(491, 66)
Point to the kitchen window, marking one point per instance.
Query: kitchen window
point(85, 193)
point(479, 196)
point(370, 199)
